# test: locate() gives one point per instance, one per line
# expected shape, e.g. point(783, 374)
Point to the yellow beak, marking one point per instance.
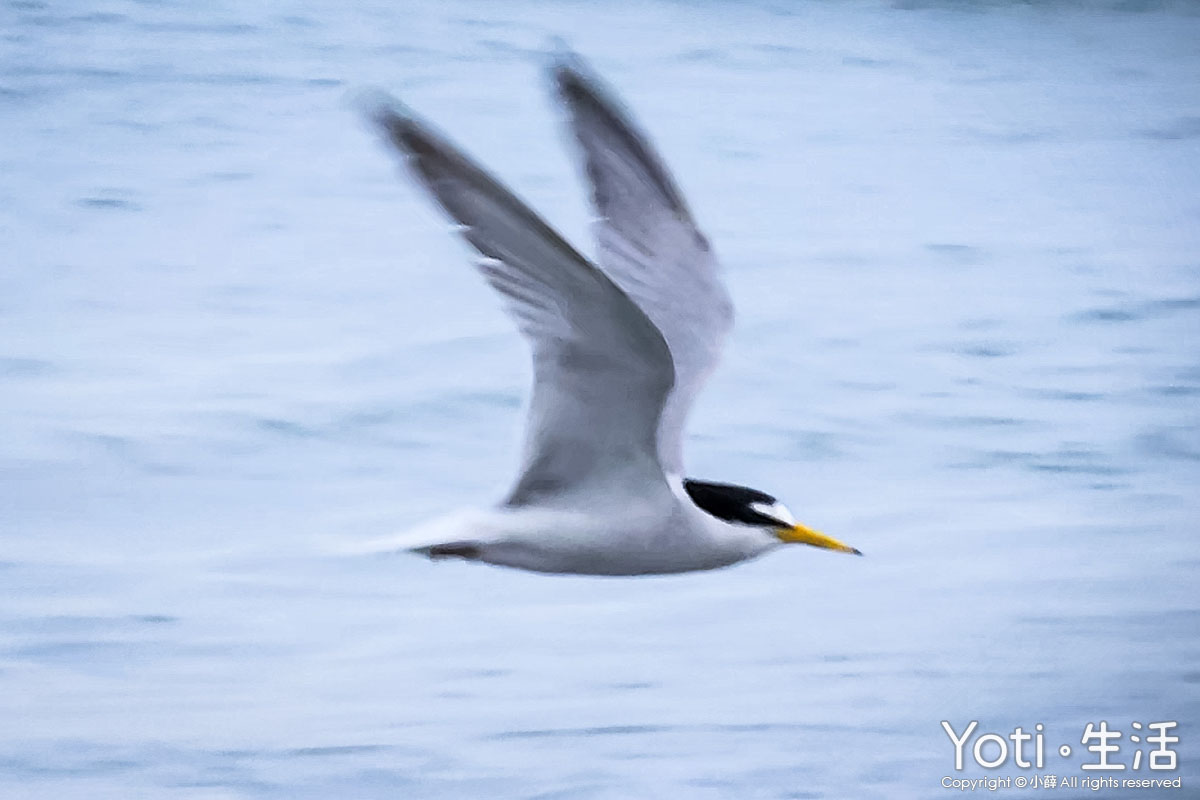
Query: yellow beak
point(801, 535)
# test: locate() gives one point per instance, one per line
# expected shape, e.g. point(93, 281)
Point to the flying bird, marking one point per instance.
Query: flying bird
point(621, 346)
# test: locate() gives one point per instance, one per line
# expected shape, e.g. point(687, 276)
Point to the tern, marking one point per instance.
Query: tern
point(621, 346)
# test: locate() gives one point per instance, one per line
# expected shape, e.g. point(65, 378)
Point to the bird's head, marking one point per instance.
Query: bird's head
point(740, 505)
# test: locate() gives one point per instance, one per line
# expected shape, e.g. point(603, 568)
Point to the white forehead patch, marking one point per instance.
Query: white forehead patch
point(775, 510)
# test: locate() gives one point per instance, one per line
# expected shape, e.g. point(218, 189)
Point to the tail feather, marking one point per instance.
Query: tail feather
point(467, 550)
point(458, 535)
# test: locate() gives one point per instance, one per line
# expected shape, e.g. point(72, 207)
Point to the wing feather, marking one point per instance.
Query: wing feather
point(602, 370)
point(648, 241)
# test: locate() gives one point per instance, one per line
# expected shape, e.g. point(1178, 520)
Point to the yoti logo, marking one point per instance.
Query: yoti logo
point(997, 753)
point(1107, 749)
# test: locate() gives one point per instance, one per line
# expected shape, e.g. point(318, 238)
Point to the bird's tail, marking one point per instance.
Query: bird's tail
point(459, 534)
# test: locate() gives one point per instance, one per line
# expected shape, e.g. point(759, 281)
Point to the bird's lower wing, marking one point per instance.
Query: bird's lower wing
point(602, 370)
point(648, 241)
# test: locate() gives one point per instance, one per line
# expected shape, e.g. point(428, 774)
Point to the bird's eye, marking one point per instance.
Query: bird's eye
point(776, 511)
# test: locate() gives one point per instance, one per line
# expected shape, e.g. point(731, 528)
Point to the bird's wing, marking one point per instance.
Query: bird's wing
point(648, 241)
point(602, 371)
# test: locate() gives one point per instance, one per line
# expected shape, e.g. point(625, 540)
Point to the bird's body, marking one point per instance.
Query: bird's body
point(620, 350)
point(654, 532)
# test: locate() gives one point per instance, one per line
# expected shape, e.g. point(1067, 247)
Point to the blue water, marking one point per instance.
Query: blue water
point(963, 242)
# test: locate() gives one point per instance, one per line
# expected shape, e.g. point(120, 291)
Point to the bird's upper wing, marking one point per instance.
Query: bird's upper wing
point(648, 242)
point(602, 371)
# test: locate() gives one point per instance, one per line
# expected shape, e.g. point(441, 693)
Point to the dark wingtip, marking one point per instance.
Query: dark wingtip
point(560, 54)
point(567, 70)
point(583, 92)
point(856, 551)
point(393, 120)
point(378, 107)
